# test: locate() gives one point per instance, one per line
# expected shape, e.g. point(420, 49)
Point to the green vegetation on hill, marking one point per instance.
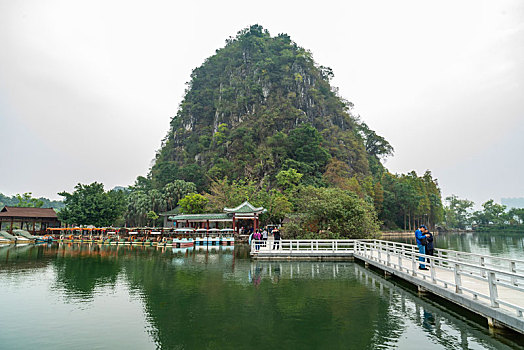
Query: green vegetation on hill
point(261, 122)
point(261, 109)
point(27, 200)
point(258, 106)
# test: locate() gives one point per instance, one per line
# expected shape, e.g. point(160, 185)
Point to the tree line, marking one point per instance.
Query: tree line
point(27, 200)
point(459, 214)
point(351, 207)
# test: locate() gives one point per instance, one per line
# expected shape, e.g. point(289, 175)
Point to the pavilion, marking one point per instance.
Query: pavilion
point(44, 217)
point(166, 215)
point(230, 216)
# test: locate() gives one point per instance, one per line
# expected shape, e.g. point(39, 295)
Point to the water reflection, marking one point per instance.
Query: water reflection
point(441, 326)
point(218, 298)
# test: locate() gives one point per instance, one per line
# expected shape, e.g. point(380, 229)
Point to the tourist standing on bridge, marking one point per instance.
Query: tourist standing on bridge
point(257, 236)
point(276, 236)
point(421, 243)
point(430, 248)
point(264, 236)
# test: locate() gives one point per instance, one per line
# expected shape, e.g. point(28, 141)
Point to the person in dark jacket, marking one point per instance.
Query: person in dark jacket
point(430, 248)
point(276, 237)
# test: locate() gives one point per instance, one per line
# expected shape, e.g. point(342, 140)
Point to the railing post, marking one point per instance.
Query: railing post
point(312, 246)
point(458, 279)
point(388, 258)
point(432, 267)
point(482, 263)
point(493, 292)
point(399, 261)
point(414, 264)
point(513, 268)
point(333, 246)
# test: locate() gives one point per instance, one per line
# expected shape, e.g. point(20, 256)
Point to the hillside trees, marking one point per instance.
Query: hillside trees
point(260, 122)
point(27, 200)
point(258, 106)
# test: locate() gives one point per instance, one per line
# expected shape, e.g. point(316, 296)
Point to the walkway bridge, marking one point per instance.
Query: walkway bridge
point(489, 286)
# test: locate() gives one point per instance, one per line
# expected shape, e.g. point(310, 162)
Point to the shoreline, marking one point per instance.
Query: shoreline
point(386, 234)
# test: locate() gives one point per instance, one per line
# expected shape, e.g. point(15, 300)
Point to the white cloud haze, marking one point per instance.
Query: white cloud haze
point(87, 88)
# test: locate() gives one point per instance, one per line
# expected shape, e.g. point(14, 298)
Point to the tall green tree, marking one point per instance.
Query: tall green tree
point(332, 213)
point(288, 179)
point(193, 203)
point(137, 207)
point(91, 205)
point(458, 212)
point(176, 190)
point(492, 213)
point(409, 200)
point(376, 145)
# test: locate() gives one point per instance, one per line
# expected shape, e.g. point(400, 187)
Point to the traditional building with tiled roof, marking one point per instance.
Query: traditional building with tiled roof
point(36, 220)
point(245, 211)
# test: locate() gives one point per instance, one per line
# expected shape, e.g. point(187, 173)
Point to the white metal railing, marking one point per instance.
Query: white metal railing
point(298, 246)
point(448, 271)
point(506, 264)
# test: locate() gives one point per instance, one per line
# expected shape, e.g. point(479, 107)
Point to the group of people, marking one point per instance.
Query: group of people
point(425, 245)
point(258, 236)
point(263, 235)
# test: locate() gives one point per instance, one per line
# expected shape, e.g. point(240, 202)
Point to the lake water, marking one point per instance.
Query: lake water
point(92, 297)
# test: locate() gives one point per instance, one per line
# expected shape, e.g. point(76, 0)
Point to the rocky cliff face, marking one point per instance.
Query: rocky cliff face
point(258, 106)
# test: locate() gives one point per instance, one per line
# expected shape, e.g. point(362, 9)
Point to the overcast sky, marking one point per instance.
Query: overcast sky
point(87, 88)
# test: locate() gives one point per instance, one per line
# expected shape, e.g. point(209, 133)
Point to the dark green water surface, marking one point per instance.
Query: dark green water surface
point(100, 297)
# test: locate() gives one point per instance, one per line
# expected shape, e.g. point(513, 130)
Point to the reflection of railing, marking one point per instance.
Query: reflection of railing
point(442, 327)
point(300, 269)
point(491, 286)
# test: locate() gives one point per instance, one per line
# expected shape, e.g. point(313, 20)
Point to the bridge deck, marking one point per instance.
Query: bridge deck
point(490, 286)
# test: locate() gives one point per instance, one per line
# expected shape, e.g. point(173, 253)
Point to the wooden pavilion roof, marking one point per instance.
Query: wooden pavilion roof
point(21, 212)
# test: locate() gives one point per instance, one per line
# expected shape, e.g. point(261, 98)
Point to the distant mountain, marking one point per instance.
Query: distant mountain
point(260, 105)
